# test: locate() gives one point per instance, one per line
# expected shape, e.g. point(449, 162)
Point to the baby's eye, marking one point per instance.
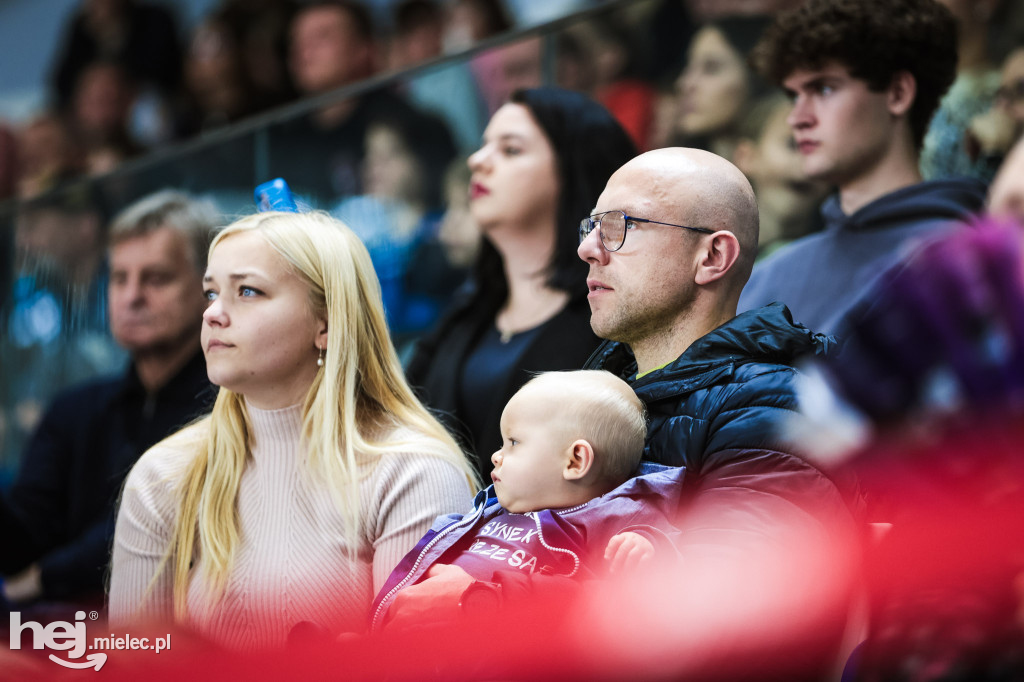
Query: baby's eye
point(512, 442)
point(210, 295)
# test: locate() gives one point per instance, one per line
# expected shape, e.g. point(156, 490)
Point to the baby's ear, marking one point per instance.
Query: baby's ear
point(580, 460)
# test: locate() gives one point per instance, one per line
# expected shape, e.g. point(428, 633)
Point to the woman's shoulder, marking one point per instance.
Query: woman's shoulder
point(408, 455)
point(404, 444)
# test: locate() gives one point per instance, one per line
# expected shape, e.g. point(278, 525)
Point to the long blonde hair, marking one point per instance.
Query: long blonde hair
point(361, 393)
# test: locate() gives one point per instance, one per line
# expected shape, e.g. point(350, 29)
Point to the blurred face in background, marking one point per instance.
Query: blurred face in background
point(713, 88)
point(775, 168)
point(102, 101)
point(1010, 97)
point(390, 169)
point(327, 51)
point(514, 177)
point(214, 70)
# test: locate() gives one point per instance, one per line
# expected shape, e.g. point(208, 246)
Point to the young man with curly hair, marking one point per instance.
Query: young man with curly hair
point(865, 77)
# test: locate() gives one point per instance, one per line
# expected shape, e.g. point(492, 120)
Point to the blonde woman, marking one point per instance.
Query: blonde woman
point(316, 471)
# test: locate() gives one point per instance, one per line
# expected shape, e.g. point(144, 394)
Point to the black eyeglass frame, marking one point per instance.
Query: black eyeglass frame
point(592, 222)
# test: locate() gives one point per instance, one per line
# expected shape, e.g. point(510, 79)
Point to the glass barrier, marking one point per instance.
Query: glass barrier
point(387, 156)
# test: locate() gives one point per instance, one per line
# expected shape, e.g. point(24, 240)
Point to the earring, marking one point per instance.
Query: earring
point(320, 358)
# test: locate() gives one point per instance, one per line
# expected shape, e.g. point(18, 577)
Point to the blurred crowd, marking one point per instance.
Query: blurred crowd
point(465, 180)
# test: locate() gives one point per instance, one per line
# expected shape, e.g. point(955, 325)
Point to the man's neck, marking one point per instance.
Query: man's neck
point(896, 170)
point(660, 348)
point(157, 367)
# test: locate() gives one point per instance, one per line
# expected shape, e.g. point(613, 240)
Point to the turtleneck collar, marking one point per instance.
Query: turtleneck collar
point(274, 430)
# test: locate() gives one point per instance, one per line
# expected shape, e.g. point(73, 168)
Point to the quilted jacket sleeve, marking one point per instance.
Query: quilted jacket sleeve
point(760, 526)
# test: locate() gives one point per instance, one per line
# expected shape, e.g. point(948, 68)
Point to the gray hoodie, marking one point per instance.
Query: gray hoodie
point(821, 276)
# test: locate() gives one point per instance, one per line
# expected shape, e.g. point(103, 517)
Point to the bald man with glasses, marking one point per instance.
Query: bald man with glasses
point(670, 244)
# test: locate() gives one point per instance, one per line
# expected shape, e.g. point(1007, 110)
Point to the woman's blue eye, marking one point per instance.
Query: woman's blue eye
point(210, 295)
point(248, 291)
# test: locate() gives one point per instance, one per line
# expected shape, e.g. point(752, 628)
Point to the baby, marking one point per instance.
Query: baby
point(563, 501)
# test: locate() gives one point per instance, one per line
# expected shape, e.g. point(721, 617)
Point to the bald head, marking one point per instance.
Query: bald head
point(697, 188)
point(598, 407)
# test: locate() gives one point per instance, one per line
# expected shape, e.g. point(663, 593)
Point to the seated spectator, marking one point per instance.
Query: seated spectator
point(562, 502)
point(401, 209)
point(317, 470)
point(418, 33)
point(669, 244)
point(995, 131)
point(545, 156)
point(946, 151)
point(261, 29)
point(56, 522)
point(332, 45)
point(217, 83)
point(99, 119)
point(859, 117)
point(444, 259)
point(141, 37)
point(601, 53)
point(787, 200)
point(447, 90)
point(717, 86)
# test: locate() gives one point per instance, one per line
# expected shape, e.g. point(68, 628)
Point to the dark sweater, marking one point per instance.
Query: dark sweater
point(60, 511)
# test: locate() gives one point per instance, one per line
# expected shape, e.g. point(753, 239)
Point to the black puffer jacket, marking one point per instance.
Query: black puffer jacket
point(750, 508)
point(728, 391)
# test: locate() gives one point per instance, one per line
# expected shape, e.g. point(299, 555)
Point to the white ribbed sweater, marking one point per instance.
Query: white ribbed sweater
point(292, 563)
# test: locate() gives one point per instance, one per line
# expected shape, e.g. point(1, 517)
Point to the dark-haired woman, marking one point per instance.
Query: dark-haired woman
point(546, 157)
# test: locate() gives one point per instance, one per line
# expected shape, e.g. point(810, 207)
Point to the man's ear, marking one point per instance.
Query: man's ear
point(579, 462)
point(720, 252)
point(901, 93)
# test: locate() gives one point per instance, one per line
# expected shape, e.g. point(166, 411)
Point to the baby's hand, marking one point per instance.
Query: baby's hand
point(627, 550)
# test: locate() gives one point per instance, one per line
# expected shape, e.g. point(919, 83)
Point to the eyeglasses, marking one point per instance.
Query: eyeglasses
point(612, 226)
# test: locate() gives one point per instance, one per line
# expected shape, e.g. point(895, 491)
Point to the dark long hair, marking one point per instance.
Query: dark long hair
point(589, 146)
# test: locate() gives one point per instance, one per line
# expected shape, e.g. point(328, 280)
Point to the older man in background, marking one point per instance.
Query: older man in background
point(57, 520)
